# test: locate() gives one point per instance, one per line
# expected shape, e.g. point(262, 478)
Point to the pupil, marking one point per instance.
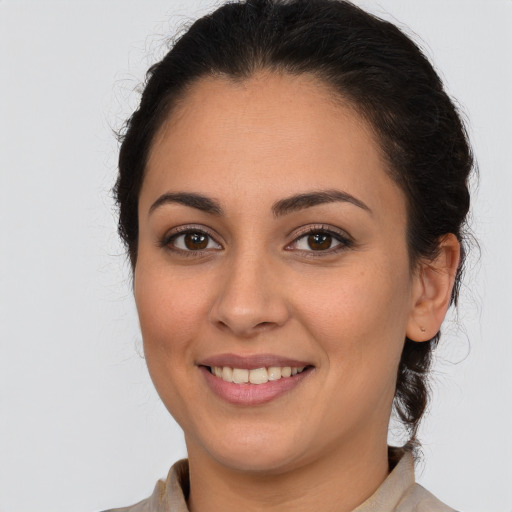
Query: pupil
point(195, 241)
point(319, 241)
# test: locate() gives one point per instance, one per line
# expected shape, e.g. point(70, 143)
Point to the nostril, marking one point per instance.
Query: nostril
point(223, 325)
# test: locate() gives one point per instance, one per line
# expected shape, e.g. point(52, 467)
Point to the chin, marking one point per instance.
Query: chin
point(251, 452)
point(256, 460)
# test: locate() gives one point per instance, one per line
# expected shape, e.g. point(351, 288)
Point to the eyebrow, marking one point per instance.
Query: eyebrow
point(198, 201)
point(309, 199)
point(279, 208)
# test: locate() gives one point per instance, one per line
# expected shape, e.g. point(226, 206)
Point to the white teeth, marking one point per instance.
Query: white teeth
point(227, 374)
point(274, 373)
point(240, 376)
point(286, 371)
point(255, 376)
point(258, 376)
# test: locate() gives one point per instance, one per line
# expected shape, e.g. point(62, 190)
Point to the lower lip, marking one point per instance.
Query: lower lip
point(252, 394)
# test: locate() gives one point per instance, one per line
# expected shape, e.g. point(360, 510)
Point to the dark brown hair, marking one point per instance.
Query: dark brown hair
point(368, 62)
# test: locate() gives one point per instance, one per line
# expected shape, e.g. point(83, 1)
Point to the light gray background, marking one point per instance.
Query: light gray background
point(81, 428)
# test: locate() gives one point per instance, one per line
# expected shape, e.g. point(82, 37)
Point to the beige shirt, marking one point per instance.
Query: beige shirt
point(398, 493)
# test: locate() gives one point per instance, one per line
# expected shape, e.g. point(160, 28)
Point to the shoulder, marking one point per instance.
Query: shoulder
point(418, 499)
point(168, 496)
point(400, 492)
point(141, 506)
point(148, 505)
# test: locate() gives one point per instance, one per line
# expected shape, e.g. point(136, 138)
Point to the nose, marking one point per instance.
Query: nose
point(251, 298)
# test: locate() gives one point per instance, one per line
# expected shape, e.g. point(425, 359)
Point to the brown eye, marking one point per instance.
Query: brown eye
point(195, 241)
point(192, 241)
point(319, 241)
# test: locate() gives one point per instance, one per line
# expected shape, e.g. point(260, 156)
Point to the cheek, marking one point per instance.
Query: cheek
point(169, 314)
point(359, 323)
point(359, 316)
point(169, 311)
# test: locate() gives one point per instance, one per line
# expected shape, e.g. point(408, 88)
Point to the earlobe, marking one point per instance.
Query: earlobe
point(432, 290)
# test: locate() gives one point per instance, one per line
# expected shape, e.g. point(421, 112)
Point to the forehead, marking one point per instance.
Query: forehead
point(218, 110)
point(282, 132)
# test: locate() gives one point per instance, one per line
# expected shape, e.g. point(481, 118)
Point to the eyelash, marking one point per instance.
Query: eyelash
point(167, 241)
point(344, 242)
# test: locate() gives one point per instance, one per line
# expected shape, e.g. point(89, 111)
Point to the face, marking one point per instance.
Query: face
point(272, 249)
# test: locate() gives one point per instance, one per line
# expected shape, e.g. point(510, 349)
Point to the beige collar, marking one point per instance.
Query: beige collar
point(398, 493)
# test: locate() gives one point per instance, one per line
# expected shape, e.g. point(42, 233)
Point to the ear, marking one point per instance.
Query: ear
point(432, 290)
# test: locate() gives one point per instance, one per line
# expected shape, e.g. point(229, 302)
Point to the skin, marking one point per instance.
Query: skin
point(258, 287)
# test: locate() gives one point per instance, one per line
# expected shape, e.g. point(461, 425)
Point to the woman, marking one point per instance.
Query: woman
point(292, 194)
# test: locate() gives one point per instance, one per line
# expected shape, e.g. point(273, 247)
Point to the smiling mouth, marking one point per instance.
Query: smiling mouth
point(256, 375)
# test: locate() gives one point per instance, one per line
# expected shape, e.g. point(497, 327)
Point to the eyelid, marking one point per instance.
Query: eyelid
point(165, 241)
point(346, 241)
point(313, 228)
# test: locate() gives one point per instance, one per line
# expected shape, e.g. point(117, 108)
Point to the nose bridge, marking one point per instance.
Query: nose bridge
point(249, 298)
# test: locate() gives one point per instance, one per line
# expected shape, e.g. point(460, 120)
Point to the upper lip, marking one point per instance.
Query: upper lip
point(251, 362)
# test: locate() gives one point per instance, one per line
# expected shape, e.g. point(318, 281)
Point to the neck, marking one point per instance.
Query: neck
point(339, 481)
